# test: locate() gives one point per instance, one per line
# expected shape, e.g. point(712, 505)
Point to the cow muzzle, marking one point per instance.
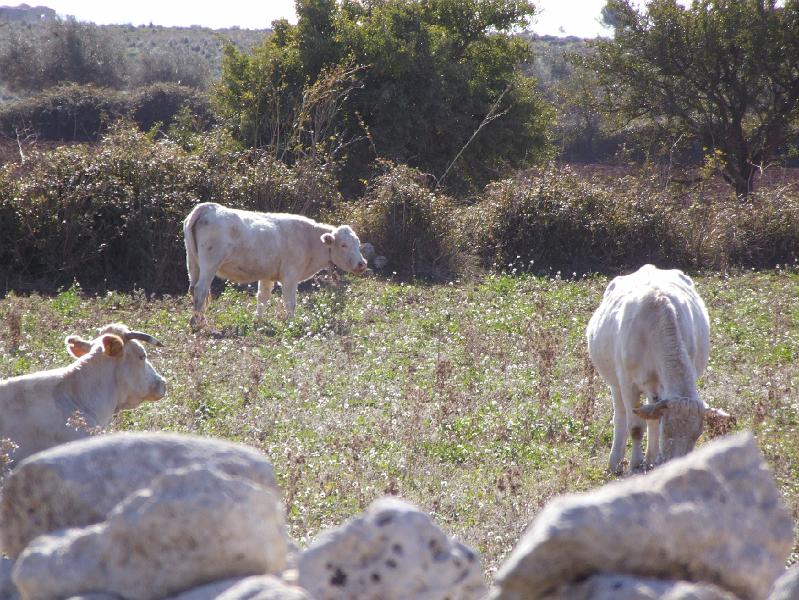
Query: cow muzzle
point(158, 390)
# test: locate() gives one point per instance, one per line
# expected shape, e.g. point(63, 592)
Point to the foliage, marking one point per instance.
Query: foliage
point(722, 71)
point(474, 400)
point(111, 214)
point(67, 51)
point(433, 72)
point(176, 65)
point(69, 112)
point(412, 226)
point(556, 221)
point(83, 113)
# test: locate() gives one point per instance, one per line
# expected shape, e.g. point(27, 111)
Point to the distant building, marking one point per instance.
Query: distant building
point(26, 14)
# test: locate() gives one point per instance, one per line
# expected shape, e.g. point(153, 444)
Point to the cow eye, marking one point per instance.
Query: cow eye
point(343, 245)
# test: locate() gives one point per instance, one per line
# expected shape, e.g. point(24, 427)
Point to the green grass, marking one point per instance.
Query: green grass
point(474, 400)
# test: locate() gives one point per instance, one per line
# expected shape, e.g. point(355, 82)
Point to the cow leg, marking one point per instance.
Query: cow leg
point(619, 431)
point(201, 291)
point(264, 293)
point(289, 297)
point(652, 439)
point(636, 426)
point(193, 268)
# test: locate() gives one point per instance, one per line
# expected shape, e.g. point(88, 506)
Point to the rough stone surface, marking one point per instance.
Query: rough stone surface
point(263, 587)
point(624, 587)
point(787, 586)
point(190, 527)
point(713, 516)
point(79, 483)
point(391, 552)
point(8, 591)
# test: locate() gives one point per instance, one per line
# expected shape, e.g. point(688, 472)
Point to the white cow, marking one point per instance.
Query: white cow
point(111, 374)
point(650, 335)
point(245, 246)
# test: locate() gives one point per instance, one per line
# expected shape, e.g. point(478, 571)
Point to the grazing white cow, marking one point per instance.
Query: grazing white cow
point(111, 374)
point(650, 335)
point(244, 246)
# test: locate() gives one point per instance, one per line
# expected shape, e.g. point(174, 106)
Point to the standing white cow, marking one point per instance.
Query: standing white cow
point(111, 374)
point(245, 246)
point(650, 335)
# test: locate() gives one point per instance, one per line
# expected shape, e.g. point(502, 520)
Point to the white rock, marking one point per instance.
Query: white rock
point(190, 527)
point(263, 587)
point(391, 552)
point(624, 587)
point(79, 483)
point(713, 516)
point(8, 591)
point(787, 586)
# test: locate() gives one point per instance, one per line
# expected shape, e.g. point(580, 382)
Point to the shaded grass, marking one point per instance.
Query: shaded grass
point(475, 400)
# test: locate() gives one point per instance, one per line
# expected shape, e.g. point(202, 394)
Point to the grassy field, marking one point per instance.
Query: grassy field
point(475, 400)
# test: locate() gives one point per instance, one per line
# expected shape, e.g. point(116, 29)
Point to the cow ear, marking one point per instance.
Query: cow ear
point(77, 346)
point(328, 239)
point(112, 345)
point(652, 411)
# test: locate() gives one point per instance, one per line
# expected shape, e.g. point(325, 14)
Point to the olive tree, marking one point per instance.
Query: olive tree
point(725, 72)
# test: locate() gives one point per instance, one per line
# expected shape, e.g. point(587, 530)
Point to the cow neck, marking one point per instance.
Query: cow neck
point(89, 383)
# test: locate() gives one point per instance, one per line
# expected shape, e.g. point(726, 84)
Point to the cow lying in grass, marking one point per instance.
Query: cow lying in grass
point(111, 374)
point(650, 335)
point(244, 246)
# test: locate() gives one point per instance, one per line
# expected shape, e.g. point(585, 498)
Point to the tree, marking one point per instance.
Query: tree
point(723, 71)
point(432, 74)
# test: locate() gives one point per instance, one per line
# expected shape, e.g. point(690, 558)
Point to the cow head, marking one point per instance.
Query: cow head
point(135, 378)
point(345, 249)
point(681, 423)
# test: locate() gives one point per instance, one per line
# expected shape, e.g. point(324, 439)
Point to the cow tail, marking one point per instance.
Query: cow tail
point(188, 228)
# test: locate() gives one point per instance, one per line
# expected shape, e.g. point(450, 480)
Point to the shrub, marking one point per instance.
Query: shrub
point(555, 221)
point(65, 113)
point(413, 227)
point(161, 103)
point(762, 233)
point(79, 113)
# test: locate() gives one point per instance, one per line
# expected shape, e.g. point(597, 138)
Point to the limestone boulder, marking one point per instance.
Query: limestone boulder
point(187, 528)
point(80, 483)
point(625, 587)
point(787, 586)
point(263, 587)
point(8, 591)
point(713, 516)
point(393, 551)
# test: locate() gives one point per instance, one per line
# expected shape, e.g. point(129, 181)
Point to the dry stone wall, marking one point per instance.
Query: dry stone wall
point(174, 517)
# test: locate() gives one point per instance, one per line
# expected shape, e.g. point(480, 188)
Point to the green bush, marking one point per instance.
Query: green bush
point(556, 221)
point(161, 102)
point(763, 232)
point(109, 215)
point(413, 227)
point(77, 113)
point(65, 113)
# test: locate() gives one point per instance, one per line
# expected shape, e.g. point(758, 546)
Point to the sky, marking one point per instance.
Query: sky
point(556, 17)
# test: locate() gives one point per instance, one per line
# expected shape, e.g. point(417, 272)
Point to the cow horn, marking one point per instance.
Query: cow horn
point(144, 337)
